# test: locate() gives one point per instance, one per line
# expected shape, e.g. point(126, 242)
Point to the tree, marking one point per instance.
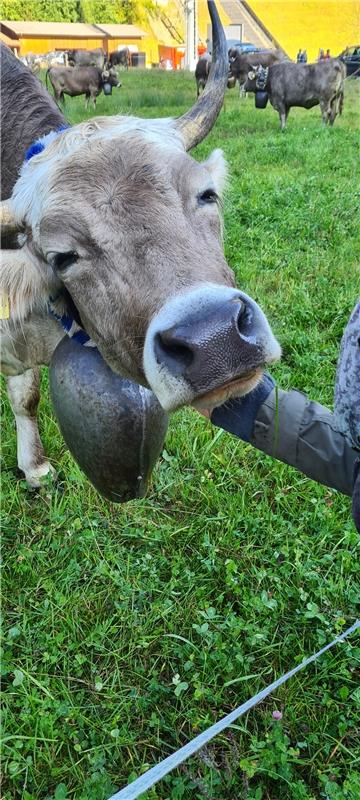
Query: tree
point(92, 11)
point(114, 11)
point(41, 10)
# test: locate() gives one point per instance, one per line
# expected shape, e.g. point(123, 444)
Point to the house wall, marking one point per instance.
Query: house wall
point(115, 44)
point(30, 44)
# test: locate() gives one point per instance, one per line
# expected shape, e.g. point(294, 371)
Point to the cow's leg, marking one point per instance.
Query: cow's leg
point(87, 98)
point(283, 114)
point(333, 111)
point(341, 103)
point(336, 107)
point(325, 108)
point(24, 396)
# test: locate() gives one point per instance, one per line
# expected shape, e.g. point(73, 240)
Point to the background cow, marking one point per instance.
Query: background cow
point(75, 81)
point(120, 58)
point(202, 72)
point(302, 85)
point(241, 63)
point(115, 219)
point(86, 58)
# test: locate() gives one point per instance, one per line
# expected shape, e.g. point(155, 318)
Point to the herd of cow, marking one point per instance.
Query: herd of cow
point(78, 72)
point(88, 73)
point(271, 76)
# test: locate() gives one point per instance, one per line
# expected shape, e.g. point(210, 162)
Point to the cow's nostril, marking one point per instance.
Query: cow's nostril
point(244, 319)
point(172, 353)
point(241, 316)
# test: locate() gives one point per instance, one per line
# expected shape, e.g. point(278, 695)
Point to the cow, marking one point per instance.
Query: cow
point(86, 58)
point(120, 57)
point(302, 85)
point(115, 226)
point(75, 81)
point(202, 70)
point(241, 63)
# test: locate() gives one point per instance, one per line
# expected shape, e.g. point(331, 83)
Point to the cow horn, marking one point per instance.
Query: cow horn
point(7, 215)
point(198, 121)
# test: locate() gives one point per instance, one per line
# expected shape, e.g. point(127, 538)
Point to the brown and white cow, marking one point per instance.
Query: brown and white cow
point(302, 85)
point(119, 224)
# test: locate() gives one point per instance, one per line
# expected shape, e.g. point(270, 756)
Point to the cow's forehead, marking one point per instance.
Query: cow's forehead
point(33, 190)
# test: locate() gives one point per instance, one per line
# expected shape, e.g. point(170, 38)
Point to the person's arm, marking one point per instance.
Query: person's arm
point(293, 429)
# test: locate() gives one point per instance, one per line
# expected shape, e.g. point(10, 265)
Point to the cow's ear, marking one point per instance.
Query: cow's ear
point(217, 166)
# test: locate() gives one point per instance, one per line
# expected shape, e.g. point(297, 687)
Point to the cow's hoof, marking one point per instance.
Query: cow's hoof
point(40, 475)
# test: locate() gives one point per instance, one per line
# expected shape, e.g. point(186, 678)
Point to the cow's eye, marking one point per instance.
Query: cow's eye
point(60, 261)
point(209, 196)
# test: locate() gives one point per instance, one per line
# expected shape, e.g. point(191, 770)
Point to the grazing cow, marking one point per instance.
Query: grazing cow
point(302, 85)
point(120, 58)
point(241, 63)
point(114, 219)
point(202, 72)
point(75, 81)
point(86, 58)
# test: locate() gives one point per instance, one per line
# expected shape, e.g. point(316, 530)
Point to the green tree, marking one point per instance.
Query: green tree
point(20, 9)
point(113, 11)
point(42, 10)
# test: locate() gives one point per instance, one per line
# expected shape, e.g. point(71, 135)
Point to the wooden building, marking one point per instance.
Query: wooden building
point(118, 36)
point(42, 37)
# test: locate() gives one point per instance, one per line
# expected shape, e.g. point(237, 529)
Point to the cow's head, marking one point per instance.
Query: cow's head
point(119, 218)
point(233, 54)
point(109, 75)
point(257, 79)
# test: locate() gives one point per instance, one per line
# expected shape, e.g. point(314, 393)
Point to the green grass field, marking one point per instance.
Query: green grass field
point(128, 630)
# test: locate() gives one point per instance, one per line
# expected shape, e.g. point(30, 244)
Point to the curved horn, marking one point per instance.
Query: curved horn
point(7, 215)
point(198, 121)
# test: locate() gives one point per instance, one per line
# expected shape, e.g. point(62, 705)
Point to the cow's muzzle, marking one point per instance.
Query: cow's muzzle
point(215, 346)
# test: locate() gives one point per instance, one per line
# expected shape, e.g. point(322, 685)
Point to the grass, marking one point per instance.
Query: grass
point(128, 630)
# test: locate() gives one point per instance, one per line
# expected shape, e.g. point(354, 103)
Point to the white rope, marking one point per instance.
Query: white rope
point(155, 774)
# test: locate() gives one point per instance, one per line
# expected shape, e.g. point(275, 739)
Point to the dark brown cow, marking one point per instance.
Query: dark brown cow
point(302, 85)
point(120, 58)
point(202, 72)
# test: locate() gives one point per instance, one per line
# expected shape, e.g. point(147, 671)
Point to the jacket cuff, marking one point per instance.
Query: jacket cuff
point(277, 427)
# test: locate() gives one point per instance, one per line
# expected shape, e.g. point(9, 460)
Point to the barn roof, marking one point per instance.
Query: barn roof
point(8, 41)
point(50, 29)
point(122, 31)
